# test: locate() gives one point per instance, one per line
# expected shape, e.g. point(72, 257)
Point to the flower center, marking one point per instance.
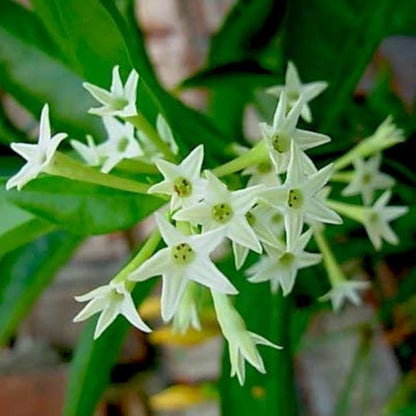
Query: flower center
point(264, 167)
point(251, 218)
point(119, 103)
point(277, 218)
point(115, 296)
point(122, 144)
point(292, 95)
point(366, 178)
point(222, 212)
point(182, 253)
point(286, 259)
point(295, 199)
point(280, 143)
point(182, 186)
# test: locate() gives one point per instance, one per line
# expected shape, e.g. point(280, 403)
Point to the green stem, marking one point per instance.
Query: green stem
point(137, 166)
point(254, 156)
point(355, 212)
point(140, 122)
point(144, 253)
point(344, 177)
point(332, 267)
point(63, 165)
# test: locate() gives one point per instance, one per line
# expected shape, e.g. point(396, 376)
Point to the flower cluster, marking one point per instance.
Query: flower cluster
point(274, 213)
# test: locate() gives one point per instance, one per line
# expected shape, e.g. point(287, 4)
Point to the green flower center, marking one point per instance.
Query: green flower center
point(182, 253)
point(264, 167)
point(286, 259)
point(182, 186)
point(367, 178)
point(115, 296)
point(222, 212)
point(119, 103)
point(251, 218)
point(122, 144)
point(292, 95)
point(277, 218)
point(295, 199)
point(280, 143)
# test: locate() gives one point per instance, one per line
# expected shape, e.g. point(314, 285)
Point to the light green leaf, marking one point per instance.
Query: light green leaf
point(82, 208)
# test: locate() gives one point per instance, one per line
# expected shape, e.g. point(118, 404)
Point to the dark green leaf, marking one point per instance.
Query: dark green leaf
point(83, 208)
point(26, 272)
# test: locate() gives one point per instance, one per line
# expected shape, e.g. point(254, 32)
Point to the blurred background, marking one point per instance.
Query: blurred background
point(356, 362)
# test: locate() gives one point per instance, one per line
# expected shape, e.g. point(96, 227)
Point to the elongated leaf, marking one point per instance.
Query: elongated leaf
point(30, 73)
point(93, 361)
point(26, 272)
point(18, 227)
point(96, 48)
point(82, 208)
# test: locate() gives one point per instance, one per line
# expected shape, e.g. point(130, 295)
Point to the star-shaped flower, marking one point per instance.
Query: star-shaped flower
point(186, 258)
point(225, 210)
point(150, 150)
point(121, 143)
point(344, 290)
point(120, 100)
point(281, 264)
point(38, 156)
point(110, 300)
point(294, 88)
point(300, 197)
point(89, 152)
point(182, 182)
point(376, 220)
point(264, 173)
point(283, 132)
point(267, 223)
point(242, 344)
point(367, 178)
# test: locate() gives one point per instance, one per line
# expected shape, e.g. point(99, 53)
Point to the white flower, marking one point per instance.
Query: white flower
point(376, 220)
point(281, 264)
point(111, 300)
point(165, 133)
point(283, 132)
point(38, 156)
point(225, 210)
point(367, 178)
point(187, 313)
point(119, 101)
point(344, 290)
point(294, 88)
point(186, 258)
point(264, 173)
point(267, 223)
point(89, 152)
point(242, 344)
point(121, 143)
point(300, 197)
point(182, 182)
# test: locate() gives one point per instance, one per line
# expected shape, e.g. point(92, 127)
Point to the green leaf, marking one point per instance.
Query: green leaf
point(18, 227)
point(31, 72)
point(93, 361)
point(97, 38)
point(26, 272)
point(82, 208)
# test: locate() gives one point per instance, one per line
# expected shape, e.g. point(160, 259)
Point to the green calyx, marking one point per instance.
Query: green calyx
point(182, 187)
point(295, 199)
point(182, 253)
point(222, 212)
